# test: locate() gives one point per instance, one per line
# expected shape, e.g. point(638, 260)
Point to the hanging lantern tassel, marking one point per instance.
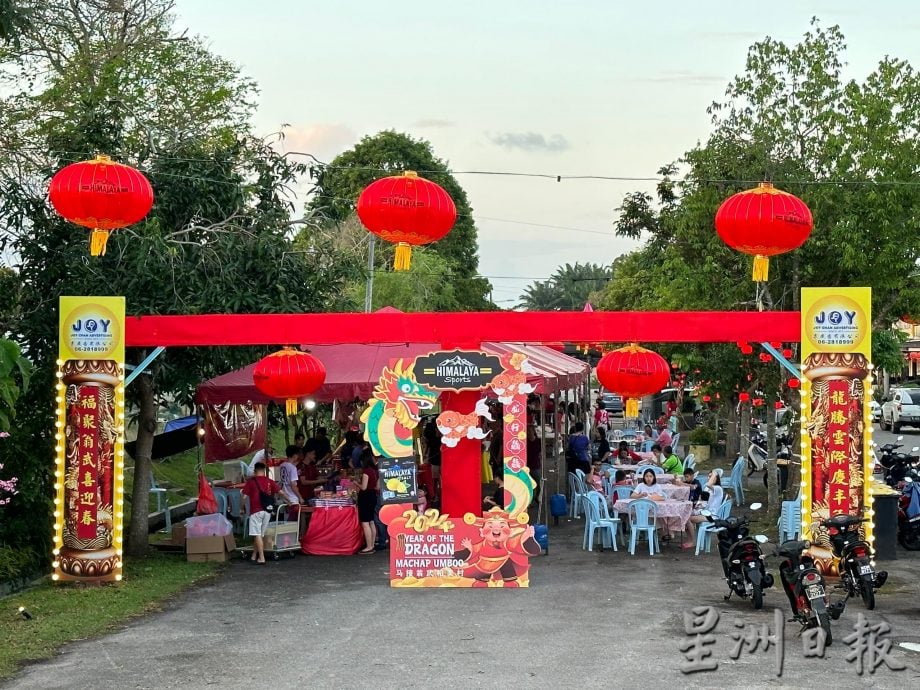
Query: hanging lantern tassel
point(403, 258)
point(97, 241)
point(632, 408)
point(290, 407)
point(761, 268)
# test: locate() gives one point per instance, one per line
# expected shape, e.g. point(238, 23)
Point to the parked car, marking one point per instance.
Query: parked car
point(876, 410)
point(901, 408)
point(613, 403)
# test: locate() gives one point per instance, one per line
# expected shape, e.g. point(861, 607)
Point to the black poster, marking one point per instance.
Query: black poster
point(397, 480)
point(460, 370)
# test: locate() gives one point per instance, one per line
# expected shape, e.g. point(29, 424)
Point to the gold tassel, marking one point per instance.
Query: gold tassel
point(403, 258)
point(97, 241)
point(632, 408)
point(761, 268)
point(290, 407)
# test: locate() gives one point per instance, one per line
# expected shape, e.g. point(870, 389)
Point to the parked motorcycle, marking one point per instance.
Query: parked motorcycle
point(897, 465)
point(909, 514)
point(857, 575)
point(742, 559)
point(805, 588)
point(757, 453)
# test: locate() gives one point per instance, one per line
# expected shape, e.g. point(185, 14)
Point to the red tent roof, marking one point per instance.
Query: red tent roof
point(352, 371)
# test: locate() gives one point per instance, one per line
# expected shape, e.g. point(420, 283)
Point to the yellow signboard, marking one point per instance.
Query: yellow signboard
point(836, 418)
point(89, 440)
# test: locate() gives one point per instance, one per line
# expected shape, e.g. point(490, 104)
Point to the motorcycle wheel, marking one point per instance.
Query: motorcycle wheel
point(757, 595)
point(909, 539)
point(867, 590)
point(824, 620)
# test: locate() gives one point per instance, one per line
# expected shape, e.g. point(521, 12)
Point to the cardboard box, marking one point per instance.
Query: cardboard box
point(204, 549)
point(282, 536)
point(178, 535)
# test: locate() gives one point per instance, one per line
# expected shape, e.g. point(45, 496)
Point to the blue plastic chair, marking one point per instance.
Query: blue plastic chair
point(647, 446)
point(221, 496)
point(622, 492)
point(705, 530)
point(790, 521)
point(595, 512)
point(640, 510)
point(675, 441)
point(689, 462)
point(654, 468)
point(737, 479)
point(575, 496)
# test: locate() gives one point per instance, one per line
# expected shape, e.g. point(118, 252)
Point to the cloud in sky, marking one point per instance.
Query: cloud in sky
point(432, 123)
point(323, 140)
point(530, 142)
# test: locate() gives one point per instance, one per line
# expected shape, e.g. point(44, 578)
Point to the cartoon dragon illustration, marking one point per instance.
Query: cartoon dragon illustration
point(395, 410)
point(513, 380)
point(455, 426)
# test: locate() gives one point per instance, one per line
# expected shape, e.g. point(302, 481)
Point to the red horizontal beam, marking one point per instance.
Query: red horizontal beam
point(462, 327)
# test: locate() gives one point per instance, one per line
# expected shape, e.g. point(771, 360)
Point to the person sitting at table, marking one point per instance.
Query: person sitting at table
point(657, 456)
point(624, 456)
point(620, 478)
point(648, 487)
point(664, 437)
point(287, 473)
point(713, 495)
point(497, 499)
point(696, 489)
point(650, 433)
point(672, 463)
point(600, 448)
point(593, 479)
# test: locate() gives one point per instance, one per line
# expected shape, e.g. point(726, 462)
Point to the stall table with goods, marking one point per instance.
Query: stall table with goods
point(333, 529)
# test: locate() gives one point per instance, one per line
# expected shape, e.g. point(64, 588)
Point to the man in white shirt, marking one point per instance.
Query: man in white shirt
point(287, 475)
point(260, 456)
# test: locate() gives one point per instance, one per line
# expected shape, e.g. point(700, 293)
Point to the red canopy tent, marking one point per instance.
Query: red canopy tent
point(352, 371)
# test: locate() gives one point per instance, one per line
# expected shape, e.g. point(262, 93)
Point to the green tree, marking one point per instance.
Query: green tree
point(119, 79)
point(847, 148)
point(338, 185)
point(428, 285)
point(567, 289)
point(15, 371)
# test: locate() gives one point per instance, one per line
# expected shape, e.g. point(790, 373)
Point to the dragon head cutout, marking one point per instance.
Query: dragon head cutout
point(402, 396)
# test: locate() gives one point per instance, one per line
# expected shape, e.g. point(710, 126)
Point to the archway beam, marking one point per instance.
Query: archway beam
point(527, 327)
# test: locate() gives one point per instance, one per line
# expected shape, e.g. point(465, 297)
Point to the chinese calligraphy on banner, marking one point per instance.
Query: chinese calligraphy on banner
point(89, 435)
point(836, 347)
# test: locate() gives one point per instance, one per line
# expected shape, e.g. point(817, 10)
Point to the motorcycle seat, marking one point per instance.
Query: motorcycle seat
point(843, 521)
point(792, 549)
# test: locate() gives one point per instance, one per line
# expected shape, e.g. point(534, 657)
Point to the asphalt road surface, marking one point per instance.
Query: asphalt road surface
point(589, 620)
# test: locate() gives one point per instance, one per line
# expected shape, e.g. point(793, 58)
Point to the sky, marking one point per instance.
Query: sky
point(584, 87)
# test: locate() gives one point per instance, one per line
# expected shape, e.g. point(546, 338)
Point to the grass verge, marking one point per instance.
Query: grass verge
point(62, 614)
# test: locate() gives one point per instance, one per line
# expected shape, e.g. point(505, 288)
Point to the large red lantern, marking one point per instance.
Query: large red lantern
point(288, 374)
point(101, 195)
point(764, 222)
point(633, 372)
point(406, 209)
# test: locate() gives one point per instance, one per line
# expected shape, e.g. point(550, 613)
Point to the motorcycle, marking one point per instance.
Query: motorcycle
point(757, 453)
point(742, 559)
point(897, 466)
point(857, 575)
point(805, 588)
point(909, 514)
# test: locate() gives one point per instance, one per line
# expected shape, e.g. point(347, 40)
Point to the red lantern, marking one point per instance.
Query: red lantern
point(743, 397)
point(406, 209)
point(757, 402)
point(633, 372)
point(101, 195)
point(288, 374)
point(787, 353)
point(764, 222)
point(747, 349)
point(765, 357)
point(793, 383)
point(779, 405)
point(707, 398)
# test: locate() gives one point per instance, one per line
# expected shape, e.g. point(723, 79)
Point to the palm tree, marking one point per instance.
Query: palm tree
point(567, 289)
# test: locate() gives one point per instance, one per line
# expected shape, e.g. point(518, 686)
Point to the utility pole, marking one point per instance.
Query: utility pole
point(369, 287)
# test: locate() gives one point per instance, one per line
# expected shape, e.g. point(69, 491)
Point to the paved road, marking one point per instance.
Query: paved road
point(589, 620)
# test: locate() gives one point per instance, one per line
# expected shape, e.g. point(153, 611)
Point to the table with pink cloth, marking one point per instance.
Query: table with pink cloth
point(678, 492)
point(673, 513)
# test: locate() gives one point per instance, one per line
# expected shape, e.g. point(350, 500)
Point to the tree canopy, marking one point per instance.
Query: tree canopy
point(567, 289)
point(338, 185)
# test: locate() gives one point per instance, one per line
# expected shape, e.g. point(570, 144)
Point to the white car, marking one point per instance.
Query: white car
point(901, 408)
point(876, 410)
